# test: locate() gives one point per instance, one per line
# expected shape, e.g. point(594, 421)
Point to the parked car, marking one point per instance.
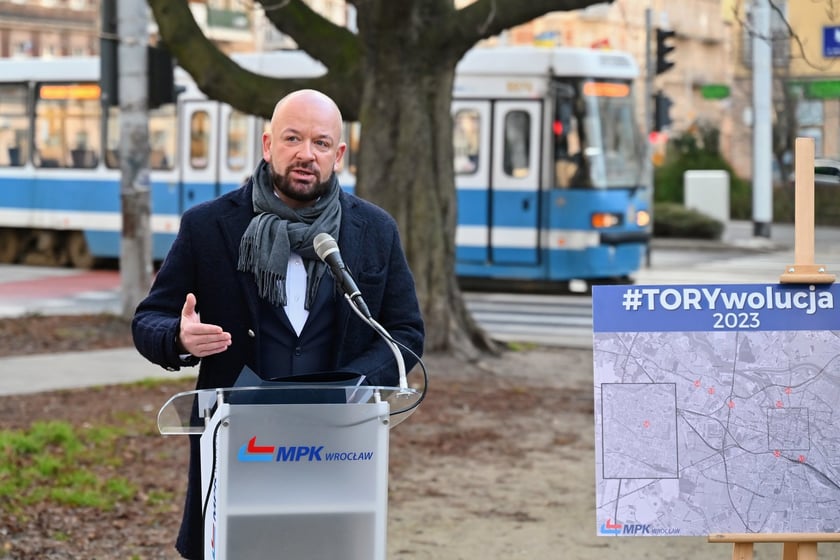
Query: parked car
point(826, 173)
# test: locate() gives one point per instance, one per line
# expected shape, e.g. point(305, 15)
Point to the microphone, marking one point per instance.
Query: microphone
point(327, 250)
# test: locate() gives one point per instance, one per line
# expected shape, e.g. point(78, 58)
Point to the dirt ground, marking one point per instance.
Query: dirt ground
point(498, 462)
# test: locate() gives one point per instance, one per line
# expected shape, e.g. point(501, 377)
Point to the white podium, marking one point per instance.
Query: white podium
point(292, 470)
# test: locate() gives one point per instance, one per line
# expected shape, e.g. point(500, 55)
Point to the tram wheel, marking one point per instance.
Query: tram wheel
point(78, 251)
point(10, 245)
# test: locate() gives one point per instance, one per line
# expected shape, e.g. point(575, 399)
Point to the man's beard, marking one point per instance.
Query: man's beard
point(283, 185)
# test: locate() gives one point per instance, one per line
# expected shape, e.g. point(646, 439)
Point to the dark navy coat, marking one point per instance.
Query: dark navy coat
point(203, 261)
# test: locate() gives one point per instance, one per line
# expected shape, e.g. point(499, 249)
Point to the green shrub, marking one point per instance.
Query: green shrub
point(675, 220)
point(698, 149)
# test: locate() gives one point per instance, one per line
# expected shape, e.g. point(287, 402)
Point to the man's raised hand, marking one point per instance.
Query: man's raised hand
point(197, 338)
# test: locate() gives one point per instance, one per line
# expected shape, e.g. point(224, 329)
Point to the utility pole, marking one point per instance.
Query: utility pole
point(649, 72)
point(647, 165)
point(762, 91)
point(135, 186)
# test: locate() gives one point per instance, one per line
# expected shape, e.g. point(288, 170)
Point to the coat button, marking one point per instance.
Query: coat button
point(251, 333)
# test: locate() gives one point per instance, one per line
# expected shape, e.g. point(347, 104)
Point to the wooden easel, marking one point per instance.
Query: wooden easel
point(796, 546)
point(804, 271)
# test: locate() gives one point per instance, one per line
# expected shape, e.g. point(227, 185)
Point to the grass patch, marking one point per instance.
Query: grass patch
point(56, 462)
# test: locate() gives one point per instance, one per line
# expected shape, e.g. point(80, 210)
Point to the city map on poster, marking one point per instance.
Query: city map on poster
point(717, 409)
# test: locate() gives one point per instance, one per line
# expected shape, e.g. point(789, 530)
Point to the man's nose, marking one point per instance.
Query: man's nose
point(306, 152)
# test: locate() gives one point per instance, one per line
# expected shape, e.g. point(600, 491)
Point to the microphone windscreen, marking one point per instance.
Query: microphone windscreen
point(324, 244)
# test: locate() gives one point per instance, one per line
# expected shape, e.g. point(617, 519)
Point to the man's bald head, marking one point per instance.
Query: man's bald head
point(303, 146)
point(308, 99)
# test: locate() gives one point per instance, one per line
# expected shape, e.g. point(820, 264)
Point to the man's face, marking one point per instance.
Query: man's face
point(303, 149)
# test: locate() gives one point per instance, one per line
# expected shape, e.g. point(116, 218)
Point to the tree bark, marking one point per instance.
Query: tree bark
point(405, 163)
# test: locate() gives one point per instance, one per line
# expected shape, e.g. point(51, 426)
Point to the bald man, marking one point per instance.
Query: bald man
point(242, 287)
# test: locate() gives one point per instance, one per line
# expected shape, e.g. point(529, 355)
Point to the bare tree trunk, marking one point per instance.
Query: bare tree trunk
point(406, 167)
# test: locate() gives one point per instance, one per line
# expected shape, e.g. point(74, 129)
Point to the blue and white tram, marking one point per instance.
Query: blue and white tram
point(60, 169)
point(548, 161)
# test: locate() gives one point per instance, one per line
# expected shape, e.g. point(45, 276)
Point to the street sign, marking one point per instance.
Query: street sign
point(831, 41)
point(714, 91)
point(823, 89)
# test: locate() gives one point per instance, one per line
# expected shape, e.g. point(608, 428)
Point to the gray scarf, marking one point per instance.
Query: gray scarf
point(276, 230)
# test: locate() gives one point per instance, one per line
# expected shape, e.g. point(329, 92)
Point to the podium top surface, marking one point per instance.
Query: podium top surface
point(184, 413)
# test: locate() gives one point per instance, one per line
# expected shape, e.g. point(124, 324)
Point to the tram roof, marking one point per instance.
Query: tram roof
point(72, 68)
point(542, 61)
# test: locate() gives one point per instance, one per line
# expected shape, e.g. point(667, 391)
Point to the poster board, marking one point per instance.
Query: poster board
point(716, 409)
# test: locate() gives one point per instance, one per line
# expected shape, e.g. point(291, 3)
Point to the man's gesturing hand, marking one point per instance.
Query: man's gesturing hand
point(197, 338)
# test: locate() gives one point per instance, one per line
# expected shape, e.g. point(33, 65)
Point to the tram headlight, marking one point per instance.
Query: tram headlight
point(602, 220)
point(642, 218)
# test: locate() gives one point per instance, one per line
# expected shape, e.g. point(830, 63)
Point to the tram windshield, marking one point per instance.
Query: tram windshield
point(597, 142)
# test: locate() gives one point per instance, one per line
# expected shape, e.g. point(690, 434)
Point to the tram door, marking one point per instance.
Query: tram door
point(199, 152)
point(515, 183)
point(471, 143)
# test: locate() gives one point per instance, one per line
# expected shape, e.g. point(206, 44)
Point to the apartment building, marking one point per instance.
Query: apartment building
point(48, 28)
point(52, 28)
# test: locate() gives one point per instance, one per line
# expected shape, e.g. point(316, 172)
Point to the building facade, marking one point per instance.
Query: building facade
point(48, 28)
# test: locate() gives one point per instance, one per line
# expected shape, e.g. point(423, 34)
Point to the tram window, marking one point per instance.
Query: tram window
point(236, 140)
point(14, 126)
point(568, 156)
point(517, 152)
point(465, 137)
point(67, 126)
point(112, 138)
point(163, 137)
point(350, 135)
point(199, 139)
point(266, 129)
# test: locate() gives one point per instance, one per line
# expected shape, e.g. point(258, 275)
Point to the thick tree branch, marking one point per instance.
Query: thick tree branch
point(222, 79)
point(334, 45)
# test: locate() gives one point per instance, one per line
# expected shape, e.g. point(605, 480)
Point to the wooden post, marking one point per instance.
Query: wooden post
point(804, 271)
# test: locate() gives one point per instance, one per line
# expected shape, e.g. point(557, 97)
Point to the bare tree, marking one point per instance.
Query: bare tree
point(395, 76)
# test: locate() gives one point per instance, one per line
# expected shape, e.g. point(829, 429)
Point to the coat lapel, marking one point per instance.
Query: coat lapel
point(351, 242)
point(233, 223)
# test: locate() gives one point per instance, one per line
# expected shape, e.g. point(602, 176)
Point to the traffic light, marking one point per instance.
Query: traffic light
point(661, 111)
point(160, 80)
point(160, 77)
point(108, 43)
point(663, 49)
